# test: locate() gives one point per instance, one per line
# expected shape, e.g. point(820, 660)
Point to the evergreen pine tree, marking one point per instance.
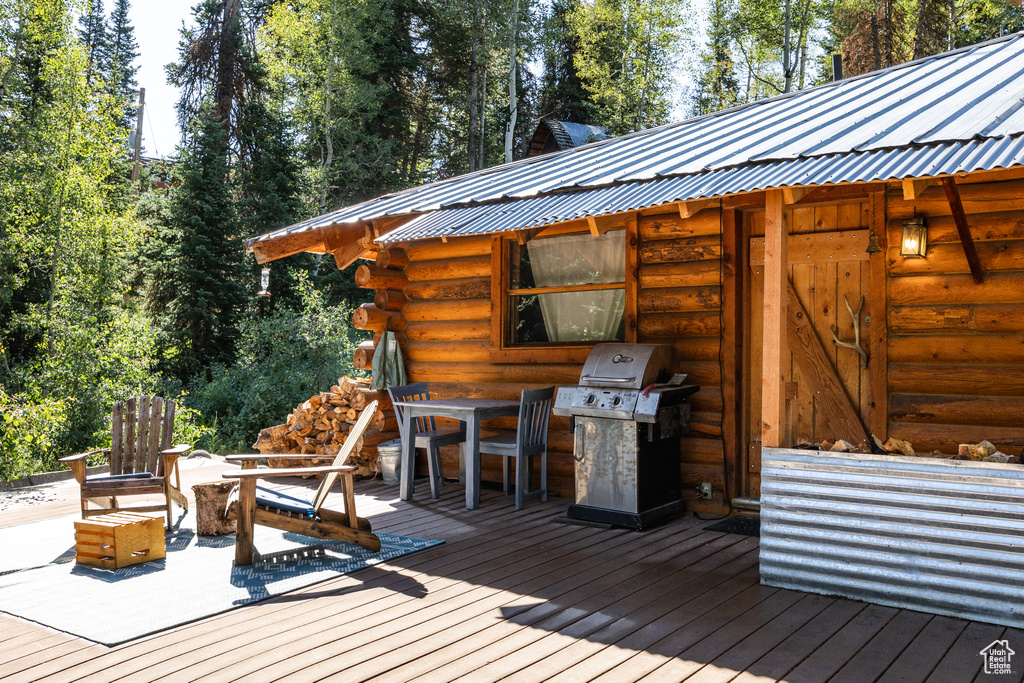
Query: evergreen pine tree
point(122, 51)
point(93, 33)
point(269, 192)
point(562, 94)
point(198, 292)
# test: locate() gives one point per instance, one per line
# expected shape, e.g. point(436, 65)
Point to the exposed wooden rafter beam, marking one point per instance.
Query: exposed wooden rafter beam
point(346, 242)
point(287, 245)
point(913, 188)
point(599, 225)
point(691, 207)
point(382, 226)
point(960, 219)
point(524, 236)
point(750, 200)
point(791, 195)
point(831, 193)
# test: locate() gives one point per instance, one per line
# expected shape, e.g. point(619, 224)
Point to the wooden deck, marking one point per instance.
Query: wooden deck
point(520, 596)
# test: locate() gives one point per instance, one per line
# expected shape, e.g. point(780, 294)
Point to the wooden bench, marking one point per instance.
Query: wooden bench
point(119, 539)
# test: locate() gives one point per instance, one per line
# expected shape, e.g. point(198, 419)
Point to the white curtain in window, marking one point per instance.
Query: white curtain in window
point(577, 260)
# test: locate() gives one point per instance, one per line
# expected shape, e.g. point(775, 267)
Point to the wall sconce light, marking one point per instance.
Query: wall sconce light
point(264, 282)
point(915, 239)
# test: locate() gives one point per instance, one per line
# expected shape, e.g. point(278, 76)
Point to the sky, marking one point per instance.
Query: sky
point(157, 24)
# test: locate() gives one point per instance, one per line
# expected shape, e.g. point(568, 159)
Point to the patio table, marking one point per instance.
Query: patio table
point(471, 411)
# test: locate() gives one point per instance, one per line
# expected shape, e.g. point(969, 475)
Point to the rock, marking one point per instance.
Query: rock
point(877, 445)
point(864, 447)
point(1014, 460)
point(986, 448)
point(997, 457)
point(898, 447)
point(842, 446)
point(970, 451)
point(825, 445)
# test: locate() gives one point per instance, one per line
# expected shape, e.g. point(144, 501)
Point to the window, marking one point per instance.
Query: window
point(561, 291)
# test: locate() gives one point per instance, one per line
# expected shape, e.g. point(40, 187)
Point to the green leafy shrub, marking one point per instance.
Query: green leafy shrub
point(284, 357)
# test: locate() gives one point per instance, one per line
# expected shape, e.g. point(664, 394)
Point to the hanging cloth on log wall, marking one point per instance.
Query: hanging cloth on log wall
point(388, 367)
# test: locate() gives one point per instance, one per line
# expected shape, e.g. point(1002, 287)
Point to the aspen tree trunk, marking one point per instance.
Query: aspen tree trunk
point(15, 57)
point(787, 66)
point(513, 100)
point(325, 169)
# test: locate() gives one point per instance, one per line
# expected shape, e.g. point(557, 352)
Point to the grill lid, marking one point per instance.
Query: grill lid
point(625, 366)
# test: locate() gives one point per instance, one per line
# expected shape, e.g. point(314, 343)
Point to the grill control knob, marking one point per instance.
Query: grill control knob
point(591, 398)
point(616, 401)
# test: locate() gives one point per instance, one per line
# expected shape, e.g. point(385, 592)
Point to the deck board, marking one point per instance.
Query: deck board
point(625, 592)
point(962, 661)
point(875, 657)
point(827, 659)
point(526, 576)
point(922, 655)
point(519, 596)
point(799, 644)
point(758, 644)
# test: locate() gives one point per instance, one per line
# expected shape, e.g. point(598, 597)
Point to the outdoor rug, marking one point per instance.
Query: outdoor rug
point(41, 581)
point(739, 524)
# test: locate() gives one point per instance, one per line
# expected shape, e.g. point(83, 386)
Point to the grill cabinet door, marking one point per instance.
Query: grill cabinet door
point(606, 463)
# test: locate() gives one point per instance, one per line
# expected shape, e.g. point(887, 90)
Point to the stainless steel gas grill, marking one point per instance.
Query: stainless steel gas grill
point(628, 416)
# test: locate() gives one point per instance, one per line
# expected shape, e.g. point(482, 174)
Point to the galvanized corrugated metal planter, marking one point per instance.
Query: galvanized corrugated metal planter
point(939, 536)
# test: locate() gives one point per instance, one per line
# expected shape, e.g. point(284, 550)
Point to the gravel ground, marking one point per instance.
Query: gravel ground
point(32, 495)
point(68, 489)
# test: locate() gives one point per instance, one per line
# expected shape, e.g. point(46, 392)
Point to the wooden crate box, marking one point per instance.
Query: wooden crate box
point(119, 540)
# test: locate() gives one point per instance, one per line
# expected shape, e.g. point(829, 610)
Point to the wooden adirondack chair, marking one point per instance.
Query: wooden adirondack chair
point(251, 504)
point(141, 458)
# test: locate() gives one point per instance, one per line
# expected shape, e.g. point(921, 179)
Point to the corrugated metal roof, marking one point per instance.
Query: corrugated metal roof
point(946, 158)
point(963, 110)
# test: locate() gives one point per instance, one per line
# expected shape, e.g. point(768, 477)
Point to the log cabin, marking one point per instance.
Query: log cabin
point(833, 263)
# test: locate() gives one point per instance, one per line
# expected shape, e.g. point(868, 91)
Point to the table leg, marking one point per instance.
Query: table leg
point(472, 463)
point(408, 459)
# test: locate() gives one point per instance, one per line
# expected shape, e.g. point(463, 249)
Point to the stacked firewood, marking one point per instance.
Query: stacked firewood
point(319, 426)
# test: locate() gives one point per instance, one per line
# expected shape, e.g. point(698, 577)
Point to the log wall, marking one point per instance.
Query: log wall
point(679, 303)
point(444, 314)
point(956, 348)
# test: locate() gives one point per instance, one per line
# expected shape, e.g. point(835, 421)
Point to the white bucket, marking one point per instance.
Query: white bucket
point(389, 457)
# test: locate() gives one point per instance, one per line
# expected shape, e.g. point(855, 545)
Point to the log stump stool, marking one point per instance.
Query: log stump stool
point(211, 503)
point(119, 539)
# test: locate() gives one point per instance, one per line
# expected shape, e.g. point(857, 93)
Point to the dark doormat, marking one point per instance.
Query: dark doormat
point(740, 524)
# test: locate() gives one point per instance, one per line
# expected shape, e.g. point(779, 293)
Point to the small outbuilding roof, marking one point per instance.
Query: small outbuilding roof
point(555, 136)
point(958, 111)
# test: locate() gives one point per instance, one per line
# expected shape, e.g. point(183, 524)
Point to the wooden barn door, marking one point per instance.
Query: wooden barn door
point(829, 390)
